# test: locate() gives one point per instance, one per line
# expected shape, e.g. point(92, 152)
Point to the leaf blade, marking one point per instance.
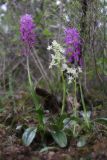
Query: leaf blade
point(29, 135)
point(60, 138)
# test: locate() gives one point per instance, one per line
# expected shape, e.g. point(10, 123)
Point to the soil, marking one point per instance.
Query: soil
point(12, 148)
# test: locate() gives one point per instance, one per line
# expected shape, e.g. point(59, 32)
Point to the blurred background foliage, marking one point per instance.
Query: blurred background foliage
point(51, 18)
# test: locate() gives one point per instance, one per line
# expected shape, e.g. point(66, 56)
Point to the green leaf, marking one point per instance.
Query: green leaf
point(29, 135)
point(102, 120)
point(81, 142)
point(2, 110)
point(86, 115)
point(47, 33)
point(67, 123)
point(60, 138)
point(46, 149)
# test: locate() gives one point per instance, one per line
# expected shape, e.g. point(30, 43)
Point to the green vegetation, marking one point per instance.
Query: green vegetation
point(53, 76)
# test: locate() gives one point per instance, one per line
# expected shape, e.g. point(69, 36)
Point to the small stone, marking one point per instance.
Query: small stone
point(50, 155)
point(66, 157)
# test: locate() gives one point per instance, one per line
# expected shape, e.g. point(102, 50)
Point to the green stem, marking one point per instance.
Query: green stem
point(84, 107)
point(75, 107)
point(31, 86)
point(64, 94)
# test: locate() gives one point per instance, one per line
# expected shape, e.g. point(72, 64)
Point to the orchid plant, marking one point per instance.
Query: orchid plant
point(28, 37)
point(68, 63)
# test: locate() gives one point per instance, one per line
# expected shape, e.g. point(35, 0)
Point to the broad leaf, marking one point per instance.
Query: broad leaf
point(81, 142)
point(60, 138)
point(67, 123)
point(29, 135)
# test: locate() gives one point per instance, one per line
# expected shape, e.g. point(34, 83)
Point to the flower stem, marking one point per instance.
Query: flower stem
point(75, 107)
point(64, 94)
point(34, 97)
point(84, 107)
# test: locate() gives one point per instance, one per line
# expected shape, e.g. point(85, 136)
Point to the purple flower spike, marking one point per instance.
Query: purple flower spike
point(27, 30)
point(73, 43)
